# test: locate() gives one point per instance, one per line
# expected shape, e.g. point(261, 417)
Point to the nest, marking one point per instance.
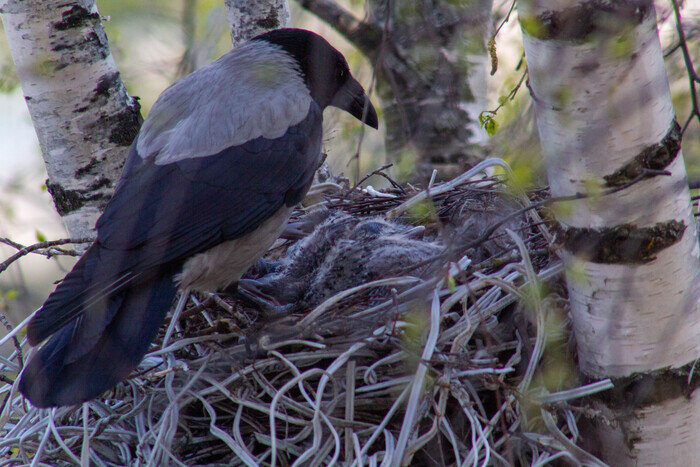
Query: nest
point(469, 364)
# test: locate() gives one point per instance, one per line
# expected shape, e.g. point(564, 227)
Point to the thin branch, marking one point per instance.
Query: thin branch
point(8, 326)
point(379, 171)
point(25, 250)
point(692, 75)
point(511, 95)
point(505, 20)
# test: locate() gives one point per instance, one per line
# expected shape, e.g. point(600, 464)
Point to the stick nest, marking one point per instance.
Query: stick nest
point(467, 365)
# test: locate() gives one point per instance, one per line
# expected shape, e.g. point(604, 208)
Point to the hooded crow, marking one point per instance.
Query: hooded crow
point(209, 184)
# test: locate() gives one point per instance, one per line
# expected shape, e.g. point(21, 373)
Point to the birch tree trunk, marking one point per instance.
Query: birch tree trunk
point(83, 116)
point(431, 62)
point(605, 120)
point(250, 18)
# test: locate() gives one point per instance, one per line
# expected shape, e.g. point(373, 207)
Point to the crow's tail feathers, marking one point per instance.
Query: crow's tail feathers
point(84, 290)
point(98, 350)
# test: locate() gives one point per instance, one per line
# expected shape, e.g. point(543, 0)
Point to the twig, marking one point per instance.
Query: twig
point(25, 250)
point(692, 75)
point(18, 348)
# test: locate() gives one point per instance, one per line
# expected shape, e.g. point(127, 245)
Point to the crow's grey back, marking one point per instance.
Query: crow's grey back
point(254, 90)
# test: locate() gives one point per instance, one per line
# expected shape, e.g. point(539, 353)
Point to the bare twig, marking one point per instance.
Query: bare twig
point(38, 247)
point(693, 78)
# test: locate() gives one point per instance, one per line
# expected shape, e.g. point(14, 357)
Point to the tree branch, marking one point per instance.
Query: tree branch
point(692, 75)
point(366, 36)
point(25, 250)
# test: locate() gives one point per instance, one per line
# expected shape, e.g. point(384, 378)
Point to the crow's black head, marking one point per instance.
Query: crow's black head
point(325, 72)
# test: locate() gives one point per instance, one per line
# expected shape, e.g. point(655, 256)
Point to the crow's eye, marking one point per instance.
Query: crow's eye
point(341, 73)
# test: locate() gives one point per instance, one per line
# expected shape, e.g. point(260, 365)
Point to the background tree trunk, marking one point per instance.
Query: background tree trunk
point(83, 116)
point(431, 63)
point(250, 18)
point(605, 120)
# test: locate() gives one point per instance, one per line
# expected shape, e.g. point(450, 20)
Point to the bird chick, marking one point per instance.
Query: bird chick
point(341, 253)
point(290, 276)
point(209, 183)
point(478, 213)
point(374, 249)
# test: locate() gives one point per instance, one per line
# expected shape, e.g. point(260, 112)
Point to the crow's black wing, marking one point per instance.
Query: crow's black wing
point(161, 215)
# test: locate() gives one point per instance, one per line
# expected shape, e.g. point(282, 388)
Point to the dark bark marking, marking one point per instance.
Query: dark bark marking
point(109, 84)
point(579, 22)
point(100, 182)
point(587, 67)
point(74, 17)
point(271, 21)
point(655, 157)
point(623, 244)
point(67, 201)
point(125, 124)
point(106, 83)
point(644, 389)
point(83, 48)
point(86, 169)
point(58, 47)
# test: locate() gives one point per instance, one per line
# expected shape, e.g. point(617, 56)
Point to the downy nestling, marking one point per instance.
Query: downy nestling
point(342, 252)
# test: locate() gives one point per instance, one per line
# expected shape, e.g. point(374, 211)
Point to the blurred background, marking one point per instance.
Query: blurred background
point(157, 41)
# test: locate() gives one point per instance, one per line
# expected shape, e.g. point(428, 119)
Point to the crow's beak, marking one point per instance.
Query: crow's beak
point(352, 98)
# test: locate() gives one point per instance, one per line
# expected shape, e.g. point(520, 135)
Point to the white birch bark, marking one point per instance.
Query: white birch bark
point(250, 18)
point(602, 98)
point(83, 116)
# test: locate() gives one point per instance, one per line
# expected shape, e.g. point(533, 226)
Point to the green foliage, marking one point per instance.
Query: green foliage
point(451, 284)
point(422, 213)
point(406, 163)
point(622, 46)
point(563, 95)
point(6, 297)
point(522, 177)
point(407, 12)
point(8, 77)
point(414, 327)
point(488, 123)
point(532, 26)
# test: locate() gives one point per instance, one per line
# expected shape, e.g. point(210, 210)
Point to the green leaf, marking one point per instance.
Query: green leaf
point(451, 284)
point(40, 237)
point(490, 125)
